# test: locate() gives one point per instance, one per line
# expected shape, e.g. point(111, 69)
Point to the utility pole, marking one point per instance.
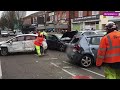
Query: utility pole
point(45, 13)
point(69, 21)
point(54, 21)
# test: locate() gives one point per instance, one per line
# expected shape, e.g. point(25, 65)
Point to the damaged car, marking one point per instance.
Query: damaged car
point(19, 43)
point(60, 41)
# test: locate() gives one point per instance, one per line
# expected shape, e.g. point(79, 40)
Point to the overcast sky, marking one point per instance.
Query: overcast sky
point(28, 12)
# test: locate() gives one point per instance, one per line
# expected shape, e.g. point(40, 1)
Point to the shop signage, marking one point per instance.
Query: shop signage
point(93, 17)
point(111, 14)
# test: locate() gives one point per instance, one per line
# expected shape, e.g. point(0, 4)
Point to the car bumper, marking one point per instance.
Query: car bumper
point(4, 35)
point(74, 56)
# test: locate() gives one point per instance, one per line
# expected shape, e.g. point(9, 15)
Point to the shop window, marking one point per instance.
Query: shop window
point(97, 22)
point(80, 13)
point(63, 14)
point(95, 12)
point(58, 16)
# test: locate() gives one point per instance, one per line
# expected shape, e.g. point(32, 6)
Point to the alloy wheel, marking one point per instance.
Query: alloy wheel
point(86, 61)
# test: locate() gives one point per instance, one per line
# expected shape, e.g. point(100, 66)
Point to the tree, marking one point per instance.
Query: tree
point(3, 21)
point(19, 16)
point(10, 19)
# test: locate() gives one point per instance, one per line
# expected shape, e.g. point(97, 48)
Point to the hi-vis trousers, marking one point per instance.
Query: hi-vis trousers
point(111, 73)
point(38, 50)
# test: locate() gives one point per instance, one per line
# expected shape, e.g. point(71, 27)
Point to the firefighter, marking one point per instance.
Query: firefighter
point(38, 42)
point(43, 33)
point(109, 52)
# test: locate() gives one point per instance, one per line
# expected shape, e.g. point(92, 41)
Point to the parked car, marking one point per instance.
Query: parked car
point(4, 33)
point(18, 32)
point(59, 41)
point(83, 49)
point(50, 30)
point(11, 33)
point(100, 32)
point(90, 32)
point(19, 43)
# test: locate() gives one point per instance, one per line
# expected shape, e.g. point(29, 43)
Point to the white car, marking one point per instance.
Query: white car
point(4, 33)
point(19, 43)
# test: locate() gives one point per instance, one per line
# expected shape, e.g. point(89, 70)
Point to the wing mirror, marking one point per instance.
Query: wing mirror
point(10, 42)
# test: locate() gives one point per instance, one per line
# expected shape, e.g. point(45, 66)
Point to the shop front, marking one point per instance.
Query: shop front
point(88, 22)
point(115, 19)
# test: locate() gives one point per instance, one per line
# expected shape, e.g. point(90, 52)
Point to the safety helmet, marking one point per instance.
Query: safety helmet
point(111, 26)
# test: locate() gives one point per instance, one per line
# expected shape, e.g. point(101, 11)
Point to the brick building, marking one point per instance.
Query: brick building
point(87, 20)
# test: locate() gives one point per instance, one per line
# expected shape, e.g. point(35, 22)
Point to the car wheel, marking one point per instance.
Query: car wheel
point(4, 51)
point(86, 61)
point(62, 48)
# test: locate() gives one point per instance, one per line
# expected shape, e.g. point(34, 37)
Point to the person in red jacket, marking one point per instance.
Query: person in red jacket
point(38, 43)
point(109, 52)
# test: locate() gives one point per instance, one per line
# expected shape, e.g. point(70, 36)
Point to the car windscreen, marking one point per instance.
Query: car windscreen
point(4, 31)
point(89, 33)
point(59, 36)
point(101, 32)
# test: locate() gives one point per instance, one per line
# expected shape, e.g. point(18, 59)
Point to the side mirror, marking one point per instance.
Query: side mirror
point(10, 42)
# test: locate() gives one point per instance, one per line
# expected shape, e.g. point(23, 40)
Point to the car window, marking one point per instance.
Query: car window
point(95, 40)
point(14, 39)
point(21, 38)
point(30, 38)
point(75, 40)
point(51, 37)
point(101, 32)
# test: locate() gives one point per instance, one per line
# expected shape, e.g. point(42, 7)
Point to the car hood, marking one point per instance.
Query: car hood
point(69, 34)
point(2, 42)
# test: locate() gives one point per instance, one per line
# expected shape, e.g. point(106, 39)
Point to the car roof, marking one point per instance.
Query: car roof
point(94, 35)
point(86, 31)
point(58, 34)
point(27, 35)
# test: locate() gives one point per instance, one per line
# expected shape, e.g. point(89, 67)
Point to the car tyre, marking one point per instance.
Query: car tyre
point(86, 61)
point(62, 48)
point(4, 51)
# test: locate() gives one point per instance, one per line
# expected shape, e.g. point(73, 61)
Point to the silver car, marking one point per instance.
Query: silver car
point(19, 43)
point(90, 32)
point(83, 49)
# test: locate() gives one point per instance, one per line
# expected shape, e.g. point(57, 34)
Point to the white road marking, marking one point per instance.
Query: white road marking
point(0, 71)
point(67, 67)
point(88, 70)
point(55, 65)
point(54, 58)
point(93, 72)
point(63, 69)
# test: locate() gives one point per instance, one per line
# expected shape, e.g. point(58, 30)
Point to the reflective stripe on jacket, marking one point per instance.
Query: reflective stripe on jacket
point(38, 41)
point(44, 33)
point(109, 49)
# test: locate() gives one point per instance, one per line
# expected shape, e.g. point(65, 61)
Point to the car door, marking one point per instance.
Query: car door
point(52, 41)
point(94, 45)
point(17, 44)
point(29, 43)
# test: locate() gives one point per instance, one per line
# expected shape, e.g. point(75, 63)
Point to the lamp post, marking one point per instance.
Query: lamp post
point(45, 13)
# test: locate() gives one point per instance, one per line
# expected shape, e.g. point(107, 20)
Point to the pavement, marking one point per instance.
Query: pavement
point(55, 65)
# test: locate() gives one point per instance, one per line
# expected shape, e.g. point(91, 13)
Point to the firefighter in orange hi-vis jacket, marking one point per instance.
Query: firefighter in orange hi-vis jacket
point(109, 52)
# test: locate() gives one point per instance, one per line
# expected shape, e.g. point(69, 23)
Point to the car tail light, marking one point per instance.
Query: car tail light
point(76, 47)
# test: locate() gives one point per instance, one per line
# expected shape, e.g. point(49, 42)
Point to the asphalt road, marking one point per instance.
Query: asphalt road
point(55, 65)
